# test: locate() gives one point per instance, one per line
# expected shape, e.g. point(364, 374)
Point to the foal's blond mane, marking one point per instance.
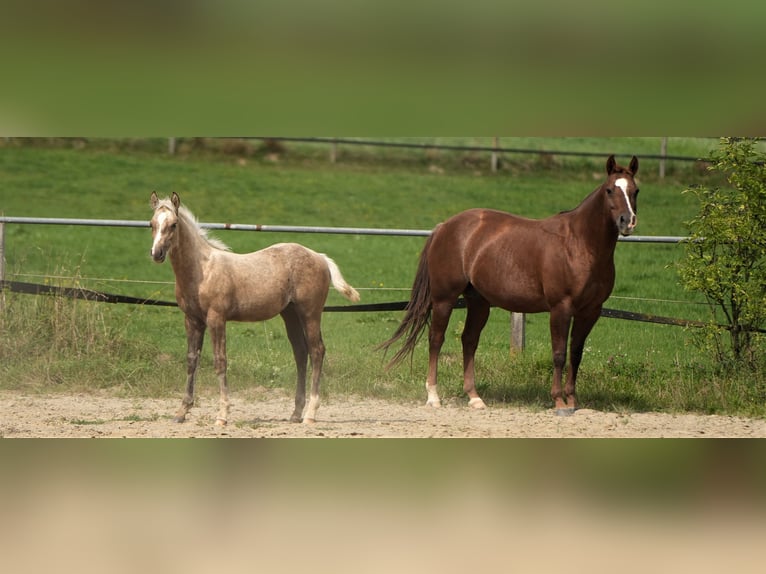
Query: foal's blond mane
point(191, 221)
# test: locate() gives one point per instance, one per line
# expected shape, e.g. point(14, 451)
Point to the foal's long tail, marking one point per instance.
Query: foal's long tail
point(417, 313)
point(339, 282)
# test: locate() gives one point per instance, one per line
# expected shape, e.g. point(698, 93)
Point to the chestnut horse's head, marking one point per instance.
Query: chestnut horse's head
point(164, 225)
point(622, 194)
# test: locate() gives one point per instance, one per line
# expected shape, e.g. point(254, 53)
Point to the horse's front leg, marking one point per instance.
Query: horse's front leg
point(195, 334)
point(560, 322)
point(217, 326)
point(581, 328)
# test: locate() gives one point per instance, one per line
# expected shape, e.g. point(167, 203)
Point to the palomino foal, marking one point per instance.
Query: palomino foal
point(214, 285)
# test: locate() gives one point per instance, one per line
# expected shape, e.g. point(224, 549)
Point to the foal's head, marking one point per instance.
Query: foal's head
point(164, 225)
point(622, 194)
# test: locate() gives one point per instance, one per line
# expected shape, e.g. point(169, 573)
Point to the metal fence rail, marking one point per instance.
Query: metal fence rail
point(285, 228)
point(517, 319)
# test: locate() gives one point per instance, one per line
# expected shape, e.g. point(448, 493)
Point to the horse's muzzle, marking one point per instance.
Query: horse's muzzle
point(158, 256)
point(627, 224)
point(627, 230)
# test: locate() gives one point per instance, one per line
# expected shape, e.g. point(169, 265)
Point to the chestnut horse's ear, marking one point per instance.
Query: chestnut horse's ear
point(633, 165)
point(154, 200)
point(176, 200)
point(610, 163)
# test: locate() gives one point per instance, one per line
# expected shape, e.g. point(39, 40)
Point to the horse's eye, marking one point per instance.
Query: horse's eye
point(173, 227)
point(609, 191)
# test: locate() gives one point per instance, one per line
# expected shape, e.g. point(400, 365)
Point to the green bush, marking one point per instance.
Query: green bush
point(726, 256)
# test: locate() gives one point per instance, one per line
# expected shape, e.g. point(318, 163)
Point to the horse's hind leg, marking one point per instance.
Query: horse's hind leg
point(440, 315)
point(476, 318)
point(195, 334)
point(297, 338)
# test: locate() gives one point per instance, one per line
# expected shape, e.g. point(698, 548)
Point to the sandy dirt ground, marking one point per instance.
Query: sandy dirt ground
point(255, 414)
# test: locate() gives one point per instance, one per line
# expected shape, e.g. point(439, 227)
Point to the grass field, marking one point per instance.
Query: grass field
point(50, 344)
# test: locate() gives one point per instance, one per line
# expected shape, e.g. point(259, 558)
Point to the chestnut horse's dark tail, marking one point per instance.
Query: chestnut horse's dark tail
point(417, 313)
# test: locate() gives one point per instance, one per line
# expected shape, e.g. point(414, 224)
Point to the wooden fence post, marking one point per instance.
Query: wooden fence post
point(518, 332)
point(172, 146)
point(663, 153)
point(333, 151)
point(2, 250)
point(494, 161)
point(2, 267)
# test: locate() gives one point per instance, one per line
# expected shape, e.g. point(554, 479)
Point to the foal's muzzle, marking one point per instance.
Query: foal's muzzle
point(158, 256)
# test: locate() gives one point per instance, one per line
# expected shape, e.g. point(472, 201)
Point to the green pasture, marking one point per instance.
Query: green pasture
point(49, 344)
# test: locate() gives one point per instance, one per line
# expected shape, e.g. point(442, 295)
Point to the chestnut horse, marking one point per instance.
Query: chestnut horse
point(563, 264)
point(214, 285)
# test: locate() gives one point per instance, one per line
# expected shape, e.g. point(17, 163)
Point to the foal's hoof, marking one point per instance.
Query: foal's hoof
point(477, 403)
point(179, 418)
point(434, 404)
point(309, 421)
point(568, 412)
point(220, 422)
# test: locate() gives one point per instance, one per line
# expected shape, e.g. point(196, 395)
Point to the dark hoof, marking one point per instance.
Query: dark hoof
point(565, 412)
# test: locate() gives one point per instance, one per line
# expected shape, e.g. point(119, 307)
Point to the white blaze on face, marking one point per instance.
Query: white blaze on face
point(622, 183)
point(160, 227)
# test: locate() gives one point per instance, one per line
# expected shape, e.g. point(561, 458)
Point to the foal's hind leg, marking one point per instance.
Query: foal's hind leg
point(195, 334)
point(297, 339)
point(476, 319)
point(217, 327)
point(313, 330)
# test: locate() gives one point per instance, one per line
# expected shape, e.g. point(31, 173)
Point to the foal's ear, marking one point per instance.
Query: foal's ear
point(633, 167)
point(154, 200)
point(610, 163)
point(176, 200)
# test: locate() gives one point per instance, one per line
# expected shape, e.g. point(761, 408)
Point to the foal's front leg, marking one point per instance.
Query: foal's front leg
point(218, 336)
point(195, 334)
